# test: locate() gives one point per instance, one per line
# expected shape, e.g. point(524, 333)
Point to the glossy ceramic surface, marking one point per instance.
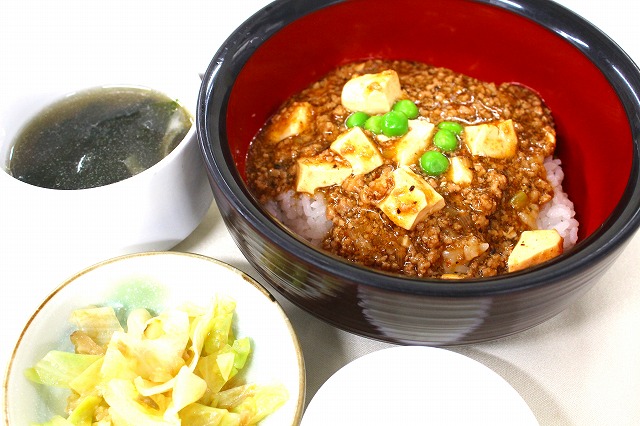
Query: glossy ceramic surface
point(419, 386)
point(590, 85)
point(157, 281)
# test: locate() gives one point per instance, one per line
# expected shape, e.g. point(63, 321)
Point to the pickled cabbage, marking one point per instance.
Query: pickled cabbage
point(175, 368)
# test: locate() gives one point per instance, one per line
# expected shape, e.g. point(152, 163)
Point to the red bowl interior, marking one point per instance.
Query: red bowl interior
point(483, 41)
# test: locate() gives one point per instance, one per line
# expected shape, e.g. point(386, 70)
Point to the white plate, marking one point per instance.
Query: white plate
point(414, 385)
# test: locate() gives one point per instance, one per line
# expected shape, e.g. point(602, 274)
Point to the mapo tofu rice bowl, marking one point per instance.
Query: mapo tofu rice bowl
point(444, 172)
point(418, 170)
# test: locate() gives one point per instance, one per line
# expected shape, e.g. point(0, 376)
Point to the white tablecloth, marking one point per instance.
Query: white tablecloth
point(580, 368)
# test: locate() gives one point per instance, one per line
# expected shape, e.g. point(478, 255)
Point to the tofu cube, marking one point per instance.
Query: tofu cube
point(291, 121)
point(356, 147)
point(496, 140)
point(320, 172)
point(460, 170)
point(411, 200)
point(535, 247)
point(372, 93)
point(452, 276)
point(408, 149)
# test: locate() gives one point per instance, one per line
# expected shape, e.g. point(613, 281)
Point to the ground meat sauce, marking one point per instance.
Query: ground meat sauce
point(480, 214)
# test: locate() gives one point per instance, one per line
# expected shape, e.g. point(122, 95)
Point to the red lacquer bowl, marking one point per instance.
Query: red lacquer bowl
point(589, 83)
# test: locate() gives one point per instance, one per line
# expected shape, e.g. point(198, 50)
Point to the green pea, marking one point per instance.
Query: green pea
point(406, 107)
point(395, 123)
point(445, 140)
point(434, 163)
point(374, 124)
point(357, 119)
point(452, 126)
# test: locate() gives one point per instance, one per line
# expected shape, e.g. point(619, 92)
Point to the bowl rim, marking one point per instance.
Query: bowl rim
point(299, 409)
point(618, 68)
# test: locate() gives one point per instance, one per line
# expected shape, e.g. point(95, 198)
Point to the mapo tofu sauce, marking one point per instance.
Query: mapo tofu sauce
point(481, 204)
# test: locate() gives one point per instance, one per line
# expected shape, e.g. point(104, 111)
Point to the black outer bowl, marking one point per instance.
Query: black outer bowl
point(389, 307)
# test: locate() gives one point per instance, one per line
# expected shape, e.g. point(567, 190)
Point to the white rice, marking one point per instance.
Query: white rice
point(306, 215)
point(558, 214)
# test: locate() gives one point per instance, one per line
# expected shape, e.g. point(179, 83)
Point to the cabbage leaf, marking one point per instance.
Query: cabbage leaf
point(82, 415)
point(170, 369)
point(99, 323)
point(128, 407)
point(203, 415)
point(59, 368)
